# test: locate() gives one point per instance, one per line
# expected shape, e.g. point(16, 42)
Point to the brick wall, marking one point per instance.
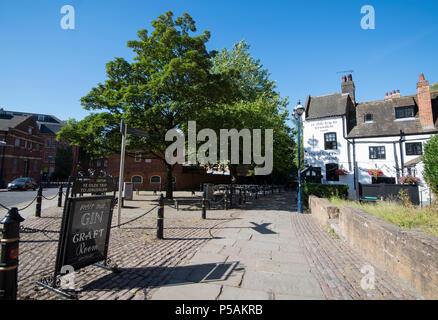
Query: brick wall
point(412, 256)
point(146, 168)
point(24, 159)
point(424, 103)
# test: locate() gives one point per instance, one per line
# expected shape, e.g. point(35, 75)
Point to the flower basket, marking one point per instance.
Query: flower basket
point(408, 179)
point(341, 172)
point(375, 172)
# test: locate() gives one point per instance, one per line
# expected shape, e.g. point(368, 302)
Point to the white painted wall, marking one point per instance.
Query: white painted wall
point(316, 156)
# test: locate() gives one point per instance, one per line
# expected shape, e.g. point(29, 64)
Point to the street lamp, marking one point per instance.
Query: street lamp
point(299, 109)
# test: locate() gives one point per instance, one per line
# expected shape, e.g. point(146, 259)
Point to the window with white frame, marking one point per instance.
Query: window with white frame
point(330, 142)
point(17, 142)
point(137, 179)
point(377, 152)
point(414, 149)
point(155, 180)
point(137, 156)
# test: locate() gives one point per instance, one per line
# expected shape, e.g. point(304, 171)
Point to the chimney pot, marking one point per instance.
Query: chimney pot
point(387, 94)
point(344, 78)
point(422, 77)
point(398, 91)
point(350, 77)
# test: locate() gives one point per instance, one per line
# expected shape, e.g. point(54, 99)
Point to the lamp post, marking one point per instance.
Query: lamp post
point(299, 109)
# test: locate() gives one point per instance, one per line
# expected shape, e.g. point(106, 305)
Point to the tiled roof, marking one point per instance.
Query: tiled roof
point(384, 121)
point(9, 121)
point(326, 106)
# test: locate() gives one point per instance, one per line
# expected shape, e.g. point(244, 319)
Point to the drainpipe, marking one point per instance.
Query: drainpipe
point(402, 139)
point(2, 183)
point(397, 168)
point(356, 173)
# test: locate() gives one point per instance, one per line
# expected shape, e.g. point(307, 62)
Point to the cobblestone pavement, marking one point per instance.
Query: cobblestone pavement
point(337, 266)
point(263, 250)
point(144, 261)
point(271, 252)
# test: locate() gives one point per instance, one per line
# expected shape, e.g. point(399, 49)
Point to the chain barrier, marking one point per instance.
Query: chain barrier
point(132, 220)
point(28, 204)
point(56, 195)
point(4, 207)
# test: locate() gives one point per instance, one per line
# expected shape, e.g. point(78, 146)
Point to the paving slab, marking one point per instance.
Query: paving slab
point(233, 293)
point(283, 284)
point(190, 291)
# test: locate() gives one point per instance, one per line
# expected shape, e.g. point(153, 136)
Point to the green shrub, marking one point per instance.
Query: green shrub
point(323, 191)
point(430, 159)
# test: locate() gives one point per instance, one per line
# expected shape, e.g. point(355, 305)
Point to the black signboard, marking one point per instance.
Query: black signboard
point(93, 185)
point(85, 232)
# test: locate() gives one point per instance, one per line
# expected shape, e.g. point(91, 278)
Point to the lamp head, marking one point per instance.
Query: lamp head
point(299, 109)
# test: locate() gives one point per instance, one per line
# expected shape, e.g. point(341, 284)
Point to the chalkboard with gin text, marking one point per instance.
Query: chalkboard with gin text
point(85, 233)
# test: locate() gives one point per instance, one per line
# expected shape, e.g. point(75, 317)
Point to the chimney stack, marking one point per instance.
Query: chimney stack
point(348, 87)
point(424, 103)
point(393, 94)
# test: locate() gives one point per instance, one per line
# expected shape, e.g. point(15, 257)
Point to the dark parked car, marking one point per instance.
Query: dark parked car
point(22, 184)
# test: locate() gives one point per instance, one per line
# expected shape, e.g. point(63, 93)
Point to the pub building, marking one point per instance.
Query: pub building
point(346, 141)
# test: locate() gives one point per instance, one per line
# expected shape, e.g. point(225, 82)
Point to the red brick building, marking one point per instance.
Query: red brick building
point(150, 174)
point(29, 152)
point(21, 150)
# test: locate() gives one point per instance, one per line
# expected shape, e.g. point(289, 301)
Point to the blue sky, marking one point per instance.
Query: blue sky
point(303, 44)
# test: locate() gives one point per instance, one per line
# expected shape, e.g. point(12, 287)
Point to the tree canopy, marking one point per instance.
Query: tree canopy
point(174, 79)
point(169, 80)
point(259, 105)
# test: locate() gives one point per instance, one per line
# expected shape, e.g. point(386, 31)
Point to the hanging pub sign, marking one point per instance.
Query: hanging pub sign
point(85, 233)
point(92, 185)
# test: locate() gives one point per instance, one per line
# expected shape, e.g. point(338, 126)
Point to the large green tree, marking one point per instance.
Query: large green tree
point(168, 82)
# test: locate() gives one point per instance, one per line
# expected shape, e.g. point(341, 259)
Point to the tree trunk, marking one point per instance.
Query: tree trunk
point(169, 182)
point(233, 172)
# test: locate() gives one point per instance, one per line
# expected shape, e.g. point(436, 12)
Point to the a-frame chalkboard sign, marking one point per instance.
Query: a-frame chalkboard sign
point(85, 229)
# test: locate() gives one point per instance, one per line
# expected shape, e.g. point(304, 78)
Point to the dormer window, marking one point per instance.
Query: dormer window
point(404, 112)
point(368, 117)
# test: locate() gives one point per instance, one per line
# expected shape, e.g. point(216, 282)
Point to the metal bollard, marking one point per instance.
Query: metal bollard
point(240, 197)
point(9, 254)
point(204, 208)
point(160, 218)
point(244, 195)
point(256, 192)
point(38, 202)
point(227, 199)
point(60, 197)
point(264, 191)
